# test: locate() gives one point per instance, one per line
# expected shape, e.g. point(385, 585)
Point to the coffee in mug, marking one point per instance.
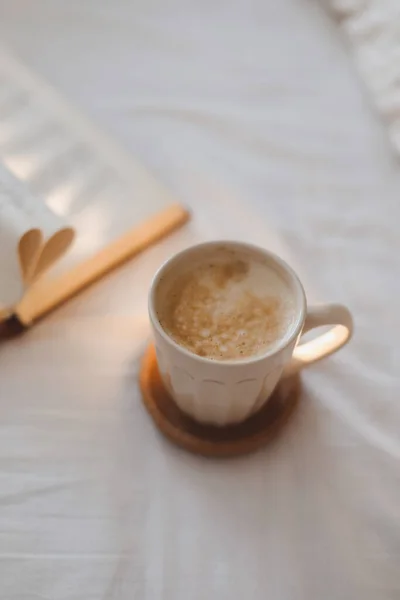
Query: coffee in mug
point(226, 305)
point(227, 319)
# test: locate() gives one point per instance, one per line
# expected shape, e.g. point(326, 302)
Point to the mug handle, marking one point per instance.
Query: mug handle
point(325, 344)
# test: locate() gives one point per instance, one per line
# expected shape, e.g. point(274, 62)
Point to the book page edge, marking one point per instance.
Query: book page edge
point(46, 295)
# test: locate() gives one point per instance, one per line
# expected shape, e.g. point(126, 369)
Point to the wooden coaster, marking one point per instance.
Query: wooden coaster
point(209, 440)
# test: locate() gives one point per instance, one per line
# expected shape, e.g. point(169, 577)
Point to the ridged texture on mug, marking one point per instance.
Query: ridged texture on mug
point(212, 400)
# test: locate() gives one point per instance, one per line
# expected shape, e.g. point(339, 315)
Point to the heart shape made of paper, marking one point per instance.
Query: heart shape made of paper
point(36, 255)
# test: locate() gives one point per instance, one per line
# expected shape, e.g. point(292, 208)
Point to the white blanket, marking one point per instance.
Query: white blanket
point(253, 114)
point(373, 29)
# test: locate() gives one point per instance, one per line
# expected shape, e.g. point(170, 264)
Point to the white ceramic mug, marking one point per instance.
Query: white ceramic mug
point(229, 391)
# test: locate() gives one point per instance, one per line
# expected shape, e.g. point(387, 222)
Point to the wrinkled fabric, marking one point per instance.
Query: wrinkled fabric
point(252, 114)
point(373, 30)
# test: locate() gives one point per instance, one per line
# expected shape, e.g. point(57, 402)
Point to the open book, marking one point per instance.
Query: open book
point(72, 204)
point(35, 241)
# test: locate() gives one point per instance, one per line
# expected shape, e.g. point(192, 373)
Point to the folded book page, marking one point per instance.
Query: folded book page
point(32, 238)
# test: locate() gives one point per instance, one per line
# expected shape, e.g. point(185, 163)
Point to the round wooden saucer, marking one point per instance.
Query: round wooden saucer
point(208, 440)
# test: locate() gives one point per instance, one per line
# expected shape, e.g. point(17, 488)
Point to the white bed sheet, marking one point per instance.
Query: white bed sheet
point(252, 113)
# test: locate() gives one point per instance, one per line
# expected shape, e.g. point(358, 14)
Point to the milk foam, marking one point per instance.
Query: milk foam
point(227, 307)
